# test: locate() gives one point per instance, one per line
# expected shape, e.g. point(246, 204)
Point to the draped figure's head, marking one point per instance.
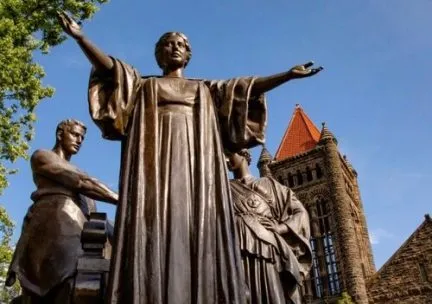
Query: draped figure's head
point(173, 51)
point(236, 160)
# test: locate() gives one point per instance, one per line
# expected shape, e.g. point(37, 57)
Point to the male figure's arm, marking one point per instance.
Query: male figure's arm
point(51, 166)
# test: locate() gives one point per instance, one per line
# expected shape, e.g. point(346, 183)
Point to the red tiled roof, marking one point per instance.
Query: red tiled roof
point(300, 136)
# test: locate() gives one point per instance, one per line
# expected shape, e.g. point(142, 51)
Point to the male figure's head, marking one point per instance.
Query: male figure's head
point(69, 137)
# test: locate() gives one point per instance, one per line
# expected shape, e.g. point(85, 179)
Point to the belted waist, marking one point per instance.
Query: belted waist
point(38, 194)
point(180, 107)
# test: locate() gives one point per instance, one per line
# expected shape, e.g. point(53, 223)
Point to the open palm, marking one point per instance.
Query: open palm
point(305, 70)
point(70, 26)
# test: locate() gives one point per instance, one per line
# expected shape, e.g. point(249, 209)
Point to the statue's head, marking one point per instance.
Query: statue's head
point(173, 51)
point(70, 135)
point(236, 160)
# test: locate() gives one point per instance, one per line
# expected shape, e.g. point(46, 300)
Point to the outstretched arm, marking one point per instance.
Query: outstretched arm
point(265, 84)
point(52, 167)
point(94, 189)
point(100, 61)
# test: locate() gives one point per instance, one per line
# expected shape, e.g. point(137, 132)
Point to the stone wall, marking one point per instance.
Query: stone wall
point(407, 276)
point(318, 167)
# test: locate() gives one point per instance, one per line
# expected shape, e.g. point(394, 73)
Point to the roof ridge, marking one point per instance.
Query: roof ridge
point(404, 244)
point(286, 132)
point(300, 135)
point(309, 123)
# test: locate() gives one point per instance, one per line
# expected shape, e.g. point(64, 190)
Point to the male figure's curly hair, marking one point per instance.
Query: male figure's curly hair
point(66, 124)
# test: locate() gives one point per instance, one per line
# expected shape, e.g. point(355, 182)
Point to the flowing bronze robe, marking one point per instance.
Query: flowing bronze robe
point(174, 229)
point(274, 264)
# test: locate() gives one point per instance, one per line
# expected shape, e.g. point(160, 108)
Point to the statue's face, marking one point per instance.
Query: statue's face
point(174, 53)
point(235, 161)
point(72, 138)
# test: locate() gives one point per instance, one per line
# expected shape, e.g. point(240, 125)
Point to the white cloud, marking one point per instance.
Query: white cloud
point(75, 61)
point(376, 235)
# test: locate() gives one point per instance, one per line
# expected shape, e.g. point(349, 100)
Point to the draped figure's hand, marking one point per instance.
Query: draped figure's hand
point(305, 70)
point(99, 60)
point(70, 26)
point(274, 226)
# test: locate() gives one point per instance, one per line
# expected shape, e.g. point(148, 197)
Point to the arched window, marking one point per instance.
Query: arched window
point(290, 180)
point(309, 176)
point(324, 276)
point(323, 215)
point(299, 177)
point(318, 170)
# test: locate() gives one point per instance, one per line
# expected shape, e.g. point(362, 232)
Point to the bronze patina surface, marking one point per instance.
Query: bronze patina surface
point(174, 229)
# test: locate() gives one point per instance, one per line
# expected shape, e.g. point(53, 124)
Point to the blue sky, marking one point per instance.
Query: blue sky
point(374, 93)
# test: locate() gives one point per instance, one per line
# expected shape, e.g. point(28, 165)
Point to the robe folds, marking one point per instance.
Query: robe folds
point(275, 265)
point(174, 232)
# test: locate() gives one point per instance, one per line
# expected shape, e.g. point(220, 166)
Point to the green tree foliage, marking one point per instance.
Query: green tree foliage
point(6, 251)
point(27, 26)
point(345, 299)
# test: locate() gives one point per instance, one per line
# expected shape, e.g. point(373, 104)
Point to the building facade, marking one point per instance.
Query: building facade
point(309, 162)
point(406, 278)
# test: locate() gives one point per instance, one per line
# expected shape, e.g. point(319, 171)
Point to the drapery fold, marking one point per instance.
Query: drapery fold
point(275, 264)
point(174, 230)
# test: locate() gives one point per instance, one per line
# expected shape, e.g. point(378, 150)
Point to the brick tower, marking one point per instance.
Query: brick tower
point(309, 162)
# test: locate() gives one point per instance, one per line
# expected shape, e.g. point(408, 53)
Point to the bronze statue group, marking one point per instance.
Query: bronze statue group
point(184, 233)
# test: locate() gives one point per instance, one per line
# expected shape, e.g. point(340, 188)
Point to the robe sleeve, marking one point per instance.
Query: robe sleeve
point(112, 99)
point(294, 215)
point(242, 117)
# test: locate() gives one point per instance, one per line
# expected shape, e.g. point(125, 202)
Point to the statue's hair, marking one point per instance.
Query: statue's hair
point(68, 123)
point(246, 154)
point(161, 42)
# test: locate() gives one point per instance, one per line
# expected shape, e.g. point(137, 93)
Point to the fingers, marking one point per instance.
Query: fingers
point(314, 71)
point(302, 71)
point(65, 18)
point(308, 64)
point(311, 71)
point(269, 227)
point(265, 220)
point(69, 18)
point(266, 224)
point(63, 15)
point(60, 16)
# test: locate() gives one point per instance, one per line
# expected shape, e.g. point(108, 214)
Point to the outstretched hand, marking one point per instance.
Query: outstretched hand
point(69, 25)
point(305, 70)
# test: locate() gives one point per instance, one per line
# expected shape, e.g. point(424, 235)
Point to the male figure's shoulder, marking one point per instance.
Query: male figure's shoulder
point(42, 156)
point(50, 162)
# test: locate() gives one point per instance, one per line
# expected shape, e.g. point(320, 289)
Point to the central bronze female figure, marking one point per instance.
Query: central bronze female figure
point(174, 230)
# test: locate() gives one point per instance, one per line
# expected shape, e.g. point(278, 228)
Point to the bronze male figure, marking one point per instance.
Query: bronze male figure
point(47, 252)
